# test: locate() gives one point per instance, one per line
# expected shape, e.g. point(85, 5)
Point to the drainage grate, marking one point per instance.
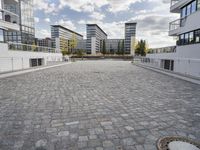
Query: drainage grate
point(163, 143)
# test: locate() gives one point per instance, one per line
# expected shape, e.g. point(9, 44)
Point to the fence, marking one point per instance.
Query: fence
point(32, 48)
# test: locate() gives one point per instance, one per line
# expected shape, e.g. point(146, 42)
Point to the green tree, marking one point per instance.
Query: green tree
point(64, 46)
point(118, 48)
point(122, 48)
point(141, 48)
point(73, 43)
point(104, 47)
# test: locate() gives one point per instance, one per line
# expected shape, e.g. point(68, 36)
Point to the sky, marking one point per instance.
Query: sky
point(152, 17)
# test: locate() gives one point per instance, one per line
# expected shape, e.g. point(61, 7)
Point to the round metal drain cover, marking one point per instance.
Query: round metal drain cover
point(177, 143)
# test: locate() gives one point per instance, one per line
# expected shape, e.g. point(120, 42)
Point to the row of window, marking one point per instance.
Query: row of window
point(189, 9)
point(189, 38)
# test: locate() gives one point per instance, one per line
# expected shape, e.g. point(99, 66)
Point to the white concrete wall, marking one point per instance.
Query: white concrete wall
point(186, 59)
point(16, 60)
point(93, 46)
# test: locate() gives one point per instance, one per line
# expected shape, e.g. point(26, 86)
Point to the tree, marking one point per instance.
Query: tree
point(80, 53)
point(104, 47)
point(73, 43)
point(64, 46)
point(118, 48)
point(141, 48)
point(122, 48)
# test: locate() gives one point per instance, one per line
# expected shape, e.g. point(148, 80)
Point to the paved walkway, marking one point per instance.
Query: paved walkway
point(95, 105)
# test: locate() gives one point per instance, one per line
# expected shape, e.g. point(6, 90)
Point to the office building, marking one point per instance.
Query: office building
point(47, 42)
point(94, 36)
point(17, 47)
point(61, 37)
point(185, 58)
point(130, 34)
point(9, 18)
point(24, 10)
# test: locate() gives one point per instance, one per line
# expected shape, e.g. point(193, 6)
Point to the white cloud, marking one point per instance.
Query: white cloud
point(42, 33)
point(45, 6)
point(66, 23)
point(91, 5)
point(97, 16)
point(36, 19)
point(47, 20)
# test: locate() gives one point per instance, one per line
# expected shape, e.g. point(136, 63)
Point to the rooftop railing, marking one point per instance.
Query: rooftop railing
point(30, 48)
point(170, 49)
point(177, 24)
point(173, 2)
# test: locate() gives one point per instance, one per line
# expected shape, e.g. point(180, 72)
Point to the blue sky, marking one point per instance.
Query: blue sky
point(152, 16)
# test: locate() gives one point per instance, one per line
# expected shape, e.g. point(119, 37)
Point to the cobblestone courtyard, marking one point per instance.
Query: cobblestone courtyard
point(95, 105)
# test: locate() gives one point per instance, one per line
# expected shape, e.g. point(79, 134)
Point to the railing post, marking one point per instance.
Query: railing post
point(22, 63)
point(12, 63)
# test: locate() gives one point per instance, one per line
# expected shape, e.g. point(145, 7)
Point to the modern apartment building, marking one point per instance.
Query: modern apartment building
point(94, 36)
point(130, 34)
point(61, 37)
point(185, 58)
point(23, 12)
point(16, 28)
point(9, 18)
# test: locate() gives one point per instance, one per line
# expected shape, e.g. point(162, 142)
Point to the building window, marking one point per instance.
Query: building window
point(198, 4)
point(186, 38)
point(189, 9)
point(1, 35)
point(197, 36)
point(194, 6)
point(191, 37)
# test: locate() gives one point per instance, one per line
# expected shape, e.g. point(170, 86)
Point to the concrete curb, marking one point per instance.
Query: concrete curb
point(11, 74)
point(182, 77)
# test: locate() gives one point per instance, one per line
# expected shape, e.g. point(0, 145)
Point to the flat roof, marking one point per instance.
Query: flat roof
point(131, 23)
point(98, 27)
point(66, 29)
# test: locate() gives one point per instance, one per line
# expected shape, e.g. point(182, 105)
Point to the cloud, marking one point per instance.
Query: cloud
point(66, 23)
point(42, 33)
point(97, 16)
point(47, 20)
point(120, 5)
point(91, 5)
point(45, 6)
point(36, 19)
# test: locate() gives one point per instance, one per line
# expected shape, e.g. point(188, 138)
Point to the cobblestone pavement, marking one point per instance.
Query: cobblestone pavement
point(96, 105)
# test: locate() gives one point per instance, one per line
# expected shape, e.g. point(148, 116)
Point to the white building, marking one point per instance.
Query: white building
point(16, 56)
point(185, 59)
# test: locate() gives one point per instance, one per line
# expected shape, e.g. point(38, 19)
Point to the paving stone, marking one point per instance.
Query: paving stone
point(63, 133)
point(107, 144)
point(96, 105)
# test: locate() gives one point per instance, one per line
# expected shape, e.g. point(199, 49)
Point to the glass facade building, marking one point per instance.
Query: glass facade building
point(130, 31)
point(93, 30)
point(26, 35)
point(61, 36)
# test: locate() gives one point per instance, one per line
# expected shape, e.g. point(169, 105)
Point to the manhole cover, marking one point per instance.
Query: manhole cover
point(177, 143)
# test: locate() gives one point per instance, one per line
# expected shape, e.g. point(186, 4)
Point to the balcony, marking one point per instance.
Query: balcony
point(177, 4)
point(9, 18)
point(174, 26)
point(9, 21)
point(30, 48)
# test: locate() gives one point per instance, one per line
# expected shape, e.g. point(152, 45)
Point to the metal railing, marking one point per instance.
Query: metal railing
point(31, 48)
point(173, 2)
point(169, 49)
point(177, 24)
